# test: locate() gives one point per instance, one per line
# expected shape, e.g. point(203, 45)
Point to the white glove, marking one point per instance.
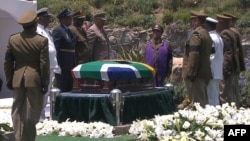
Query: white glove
point(57, 70)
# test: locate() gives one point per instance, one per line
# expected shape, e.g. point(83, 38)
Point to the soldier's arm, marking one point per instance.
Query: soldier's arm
point(44, 64)
point(91, 38)
point(9, 65)
point(194, 53)
point(169, 60)
point(56, 34)
point(228, 53)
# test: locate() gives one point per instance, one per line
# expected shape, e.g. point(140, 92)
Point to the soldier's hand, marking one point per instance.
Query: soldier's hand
point(44, 90)
point(226, 74)
point(9, 85)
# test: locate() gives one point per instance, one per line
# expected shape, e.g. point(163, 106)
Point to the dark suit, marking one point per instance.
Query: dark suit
point(65, 47)
point(27, 69)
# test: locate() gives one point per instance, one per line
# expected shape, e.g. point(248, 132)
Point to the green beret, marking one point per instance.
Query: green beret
point(28, 18)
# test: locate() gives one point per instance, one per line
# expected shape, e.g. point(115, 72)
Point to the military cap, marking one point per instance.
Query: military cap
point(65, 13)
point(158, 28)
point(78, 15)
point(100, 14)
point(198, 14)
point(28, 18)
point(43, 12)
point(223, 18)
point(230, 15)
point(211, 20)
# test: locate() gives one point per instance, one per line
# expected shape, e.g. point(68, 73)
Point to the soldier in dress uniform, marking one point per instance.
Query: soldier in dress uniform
point(158, 54)
point(27, 72)
point(64, 41)
point(232, 62)
point(196, 64)
point(216, 59)
point(44, 19)
point(98, 39)
point(82, 47)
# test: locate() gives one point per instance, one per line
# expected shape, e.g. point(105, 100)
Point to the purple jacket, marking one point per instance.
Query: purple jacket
point(158, 58)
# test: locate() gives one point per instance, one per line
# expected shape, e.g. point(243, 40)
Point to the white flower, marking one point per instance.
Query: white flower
point(186, 125)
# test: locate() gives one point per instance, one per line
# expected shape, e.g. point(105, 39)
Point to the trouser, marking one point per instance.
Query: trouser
point(197, 91)
point(213, 91)
point(231, 89)
point(26, 110)
point(45, 101)
point(64, 81)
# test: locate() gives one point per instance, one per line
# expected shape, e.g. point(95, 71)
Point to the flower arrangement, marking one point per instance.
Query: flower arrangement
point(67, 128)
point(206, 124)
point(191, 125)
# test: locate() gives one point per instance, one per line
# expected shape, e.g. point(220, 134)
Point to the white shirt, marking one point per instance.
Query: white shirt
point(217, 58)
point(52, 50)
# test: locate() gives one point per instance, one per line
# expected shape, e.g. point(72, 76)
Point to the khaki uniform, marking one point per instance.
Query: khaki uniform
point(82, 47)
point(98, 43)
point(27, 72)
point(196, 65)
point(232, 66)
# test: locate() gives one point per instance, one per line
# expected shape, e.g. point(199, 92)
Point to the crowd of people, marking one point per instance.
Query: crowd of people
point(212, 60)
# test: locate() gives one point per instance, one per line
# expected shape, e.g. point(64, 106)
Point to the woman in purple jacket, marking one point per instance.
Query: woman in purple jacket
point(159, 55)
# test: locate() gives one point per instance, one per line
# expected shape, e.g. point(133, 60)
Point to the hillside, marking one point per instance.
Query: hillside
point(144, 13)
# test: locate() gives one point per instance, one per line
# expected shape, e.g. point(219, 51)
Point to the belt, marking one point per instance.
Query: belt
point(67, 50)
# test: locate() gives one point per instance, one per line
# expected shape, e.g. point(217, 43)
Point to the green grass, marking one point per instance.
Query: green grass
point(69, 138)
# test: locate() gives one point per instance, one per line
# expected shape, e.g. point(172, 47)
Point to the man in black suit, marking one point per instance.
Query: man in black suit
point(65, 47)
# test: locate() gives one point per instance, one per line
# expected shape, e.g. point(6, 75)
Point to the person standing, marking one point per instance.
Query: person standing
point(82, 47)
point(216, 59)
point(64, 41)
point(27, 72)
point(231, 64)
point(158, 55)
point(44, 19)
point(196, 64)
point(238, 38)
point(98, 39)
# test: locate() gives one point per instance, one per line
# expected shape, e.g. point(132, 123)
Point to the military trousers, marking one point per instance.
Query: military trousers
point(197, 91)
point(26, 109)
point(231, 89)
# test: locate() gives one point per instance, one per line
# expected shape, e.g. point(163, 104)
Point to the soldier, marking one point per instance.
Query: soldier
point(216, 59)
point(44, 19)
point(158, 54)
point(27, 73)
point(196, 64)
point(232, 62)
point(238, 37)
point(64, 41)
point(98, 39)
point(82, 46)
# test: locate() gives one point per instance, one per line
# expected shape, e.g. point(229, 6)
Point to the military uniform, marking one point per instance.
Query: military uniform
point(98, 40)
point(64, 41)
point(82, 53)
point(27, 73)
point(233, 62)
point(196, 64)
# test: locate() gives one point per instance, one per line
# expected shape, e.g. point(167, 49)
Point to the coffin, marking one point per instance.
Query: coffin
point(103, 76)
